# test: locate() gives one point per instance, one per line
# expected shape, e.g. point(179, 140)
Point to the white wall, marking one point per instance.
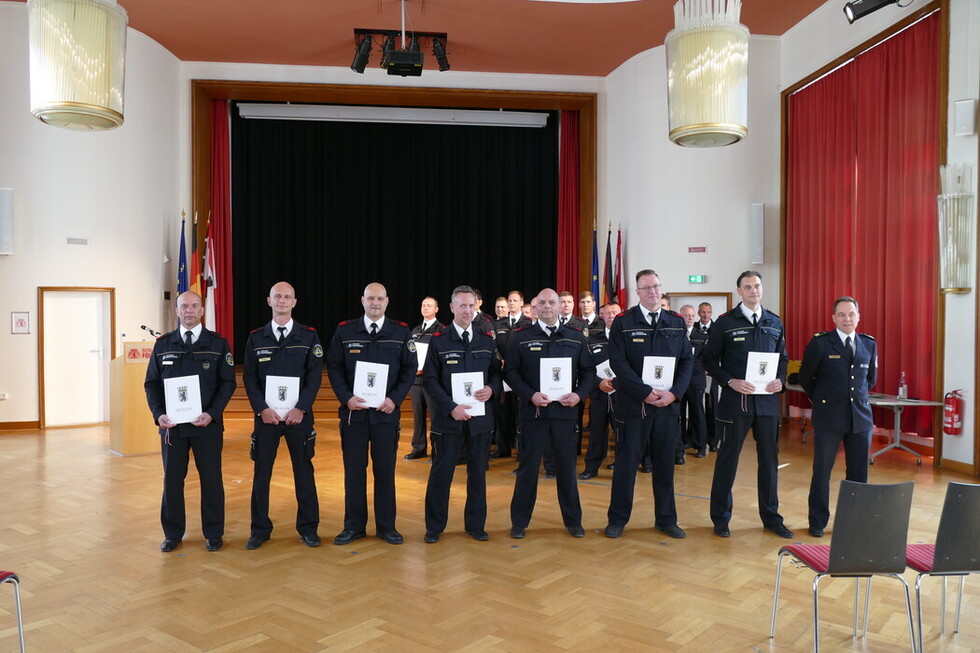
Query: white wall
point(667, 198)
point(117, 188)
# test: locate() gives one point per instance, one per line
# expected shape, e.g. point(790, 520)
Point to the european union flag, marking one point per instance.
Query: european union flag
point(182, 263)
point(595, 267)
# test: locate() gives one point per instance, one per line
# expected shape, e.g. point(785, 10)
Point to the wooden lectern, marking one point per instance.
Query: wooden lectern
point(131, 427)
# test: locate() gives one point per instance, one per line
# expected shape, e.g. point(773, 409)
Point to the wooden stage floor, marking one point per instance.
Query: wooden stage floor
point(81, 527)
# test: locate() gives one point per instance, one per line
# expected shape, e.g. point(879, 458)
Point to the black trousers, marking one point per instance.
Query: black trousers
point(420, 410)
point(696, 427)
point(446, 449)
point(355, 440)
point(301, 443)
point(207, 459)
point(506, 423)
point(536, 434)
point(659, 430)
point(731, 436)
point(825, 447)
point(600, 420)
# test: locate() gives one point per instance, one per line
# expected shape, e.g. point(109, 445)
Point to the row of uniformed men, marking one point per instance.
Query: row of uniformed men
point(644, 417)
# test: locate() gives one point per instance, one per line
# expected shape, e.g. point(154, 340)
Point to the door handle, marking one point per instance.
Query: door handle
point(96, 351)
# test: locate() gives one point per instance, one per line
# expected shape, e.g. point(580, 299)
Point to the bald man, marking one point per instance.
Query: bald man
point(388, 347)
point(191, 351)
point(284, 366)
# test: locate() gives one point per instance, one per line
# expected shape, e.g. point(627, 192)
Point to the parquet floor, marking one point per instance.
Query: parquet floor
point(80, 526)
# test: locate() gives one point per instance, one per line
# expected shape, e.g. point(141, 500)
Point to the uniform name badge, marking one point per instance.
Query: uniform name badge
point(658, 371)
point(371, 382)
point(182, 395)
point(556, 377)
point(421, 350)
point(464, 384)
point(281, 394)
point(760, 369)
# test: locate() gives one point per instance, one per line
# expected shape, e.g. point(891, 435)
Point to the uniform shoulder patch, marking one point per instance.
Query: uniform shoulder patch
point(229, 359)
point(865, 335)
point(819, 333)
point(411, 346)
point(318, 351)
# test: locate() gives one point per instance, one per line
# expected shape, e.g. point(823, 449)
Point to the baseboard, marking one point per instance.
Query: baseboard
point(957, 466)
point(20, 426)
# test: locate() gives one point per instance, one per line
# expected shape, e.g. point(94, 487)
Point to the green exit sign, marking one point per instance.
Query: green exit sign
point(695, 278)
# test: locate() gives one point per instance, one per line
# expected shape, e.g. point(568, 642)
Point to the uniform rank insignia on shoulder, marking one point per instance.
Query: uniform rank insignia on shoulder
point(318, 351)
point(309, 328)
point(865, 335)
point(819, 333)
point(256, 330)
point(404, 324)
point(229, 359)
point(411, 346)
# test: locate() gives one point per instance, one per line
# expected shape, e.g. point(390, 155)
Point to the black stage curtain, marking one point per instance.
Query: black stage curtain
point(331, 207)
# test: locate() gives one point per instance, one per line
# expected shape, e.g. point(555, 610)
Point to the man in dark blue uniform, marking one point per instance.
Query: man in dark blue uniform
point(747, 327)
point(838, 369)
point(506, 435)
point(420, 402)
point(647, 412)
point(703, 325)
point(370, 339)
point(460, 349)
point(548, 419)
point(587, 311)
point(692, 404)
point(603, 397)
point(291, 353)
point(191, 350)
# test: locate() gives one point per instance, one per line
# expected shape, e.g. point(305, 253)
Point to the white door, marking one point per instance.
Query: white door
point(77, 348)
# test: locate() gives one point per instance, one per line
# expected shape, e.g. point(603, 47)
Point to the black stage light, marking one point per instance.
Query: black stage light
point(362, 55)
point(440, 54)
point(388, 46)
point(416, 44)
point(861, 8)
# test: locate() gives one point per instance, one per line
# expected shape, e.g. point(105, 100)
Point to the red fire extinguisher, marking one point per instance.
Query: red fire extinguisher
point(953, 413)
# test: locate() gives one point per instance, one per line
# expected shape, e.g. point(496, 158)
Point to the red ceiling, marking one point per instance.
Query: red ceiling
point(507, 36)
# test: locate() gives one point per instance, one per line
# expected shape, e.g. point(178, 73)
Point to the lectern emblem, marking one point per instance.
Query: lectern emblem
point(763, 365)
point(658, 372)
point(282, 392)
point(370, 379)
point(182, 393)
point(556, 374)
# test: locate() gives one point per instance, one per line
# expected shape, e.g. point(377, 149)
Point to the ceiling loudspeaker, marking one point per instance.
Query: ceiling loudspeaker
point(757, 233)
point(6, 221)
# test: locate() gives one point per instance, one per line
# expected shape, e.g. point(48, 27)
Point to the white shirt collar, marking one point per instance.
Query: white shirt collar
point(288, 325)
point(380, 323)
point(196, 331)
point(748, 314)
point(843, 335)
point(460, 330)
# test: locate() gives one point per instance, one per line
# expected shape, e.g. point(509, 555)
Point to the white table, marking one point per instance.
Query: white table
point(897, 405)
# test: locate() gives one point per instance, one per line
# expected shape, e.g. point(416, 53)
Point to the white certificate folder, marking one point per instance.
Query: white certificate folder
point(760, 369)
point(182, 395)
point(464, 385)
point(556, 377)
point(658, 371)
point(281, 394)
point(371, 382)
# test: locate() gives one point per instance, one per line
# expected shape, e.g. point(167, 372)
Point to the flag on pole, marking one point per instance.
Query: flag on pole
point(608, 287)
point(595, 265)
point(182, 262)
point(620, 287)
point(195, 262)
point(210, 281)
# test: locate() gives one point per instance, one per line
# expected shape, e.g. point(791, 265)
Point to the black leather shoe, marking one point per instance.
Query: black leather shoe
point(781, 531)
point(722, 531)
point(646, 469)
point(392, 537)
point(549, 475)
point(500, 454)
point(673, 530)
point(310, 539)
point(679, 460)
point(347, 536)
point(431, 537)
point(479, 535)
point(517, 532)
point(611, 466)
point(713, 449)
point(415, 455)
point(587, 475)
point(613, 531)
point(576, 531)
point(213, 544)
point(169, 544)
point(700, 454)
point(816, 532)
point(255, 542)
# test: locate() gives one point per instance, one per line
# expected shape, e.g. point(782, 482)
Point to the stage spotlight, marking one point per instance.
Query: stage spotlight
point(388, 46)
point(362, 55)
point(416, 44)
point(861, 8)
point(440, 54)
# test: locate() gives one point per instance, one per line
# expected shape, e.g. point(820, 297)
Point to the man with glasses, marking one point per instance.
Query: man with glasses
point(652, 361)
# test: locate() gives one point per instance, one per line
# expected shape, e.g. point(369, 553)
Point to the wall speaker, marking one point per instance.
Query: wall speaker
point(6, 221)
point(757, 233)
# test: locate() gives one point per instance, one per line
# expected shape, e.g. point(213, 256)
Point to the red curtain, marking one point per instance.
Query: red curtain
point(861, 207)
point(221, 220)
point(568, 204)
